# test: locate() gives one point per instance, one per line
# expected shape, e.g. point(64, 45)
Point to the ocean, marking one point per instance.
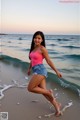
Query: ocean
point(64, 51)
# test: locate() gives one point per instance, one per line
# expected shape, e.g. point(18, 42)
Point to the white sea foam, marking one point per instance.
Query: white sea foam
point(26, 77)
point(5, 87)
point(67, 106)
point(63, 110)
point(63, 84)
point(78, 92)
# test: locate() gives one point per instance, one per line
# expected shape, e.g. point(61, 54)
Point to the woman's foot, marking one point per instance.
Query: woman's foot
point(58, 105)
point(58, 113)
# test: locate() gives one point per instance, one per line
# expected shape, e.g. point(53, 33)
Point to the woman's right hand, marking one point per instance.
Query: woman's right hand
point(59, 74)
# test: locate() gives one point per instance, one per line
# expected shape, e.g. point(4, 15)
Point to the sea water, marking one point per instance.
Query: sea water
point(64, 51)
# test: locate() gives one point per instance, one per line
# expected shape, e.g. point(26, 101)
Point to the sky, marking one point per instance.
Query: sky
point(49, 16)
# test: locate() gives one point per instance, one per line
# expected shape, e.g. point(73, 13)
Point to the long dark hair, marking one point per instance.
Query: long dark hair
point(42, 43)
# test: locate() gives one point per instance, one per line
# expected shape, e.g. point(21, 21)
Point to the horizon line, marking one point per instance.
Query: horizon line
point(45, 33)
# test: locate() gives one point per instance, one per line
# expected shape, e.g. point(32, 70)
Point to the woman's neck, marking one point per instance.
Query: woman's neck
point(37, 46)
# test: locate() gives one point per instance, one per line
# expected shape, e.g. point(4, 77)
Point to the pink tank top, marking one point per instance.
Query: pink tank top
point(36, 58)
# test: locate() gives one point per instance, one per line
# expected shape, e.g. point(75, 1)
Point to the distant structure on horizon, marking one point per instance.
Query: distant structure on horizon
point(3, 34)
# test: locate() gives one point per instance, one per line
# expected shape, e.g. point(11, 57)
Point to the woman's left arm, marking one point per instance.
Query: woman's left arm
point(48, 60)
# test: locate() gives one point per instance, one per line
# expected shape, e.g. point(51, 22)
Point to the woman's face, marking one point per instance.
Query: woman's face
point(38, 40)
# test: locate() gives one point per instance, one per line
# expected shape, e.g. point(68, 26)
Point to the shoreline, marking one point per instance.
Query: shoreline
point(51, 76)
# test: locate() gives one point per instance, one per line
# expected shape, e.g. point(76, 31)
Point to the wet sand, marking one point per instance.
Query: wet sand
point(23, 105)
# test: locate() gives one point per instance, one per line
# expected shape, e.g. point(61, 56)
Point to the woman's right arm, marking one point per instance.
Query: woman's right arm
point(29, 69)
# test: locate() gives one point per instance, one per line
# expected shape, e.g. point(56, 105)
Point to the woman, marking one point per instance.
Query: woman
point(37, 83)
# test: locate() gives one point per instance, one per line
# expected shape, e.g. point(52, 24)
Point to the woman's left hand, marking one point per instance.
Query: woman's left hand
point(59, 74)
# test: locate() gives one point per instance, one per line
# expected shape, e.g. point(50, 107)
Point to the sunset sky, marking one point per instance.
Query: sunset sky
point(49, 16)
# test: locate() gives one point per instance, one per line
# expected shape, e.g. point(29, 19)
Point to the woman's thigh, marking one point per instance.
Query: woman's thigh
point(35, 80)
point(43, 84)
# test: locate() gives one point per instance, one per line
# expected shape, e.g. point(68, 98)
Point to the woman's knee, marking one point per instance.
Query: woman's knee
point(30, 88)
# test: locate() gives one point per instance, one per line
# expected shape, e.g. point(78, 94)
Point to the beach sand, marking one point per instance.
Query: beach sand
point(23, 105)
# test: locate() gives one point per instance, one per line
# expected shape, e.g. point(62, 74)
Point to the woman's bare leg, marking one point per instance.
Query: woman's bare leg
point(53, 102)
point(34, 86)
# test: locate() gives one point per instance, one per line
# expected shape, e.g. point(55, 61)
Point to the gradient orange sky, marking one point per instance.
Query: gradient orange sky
point(50, 16)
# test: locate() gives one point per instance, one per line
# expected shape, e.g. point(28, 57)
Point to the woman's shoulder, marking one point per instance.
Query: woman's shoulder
point(43, 49)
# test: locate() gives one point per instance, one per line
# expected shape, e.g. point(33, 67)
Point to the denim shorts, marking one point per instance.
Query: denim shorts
point(39, 69)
